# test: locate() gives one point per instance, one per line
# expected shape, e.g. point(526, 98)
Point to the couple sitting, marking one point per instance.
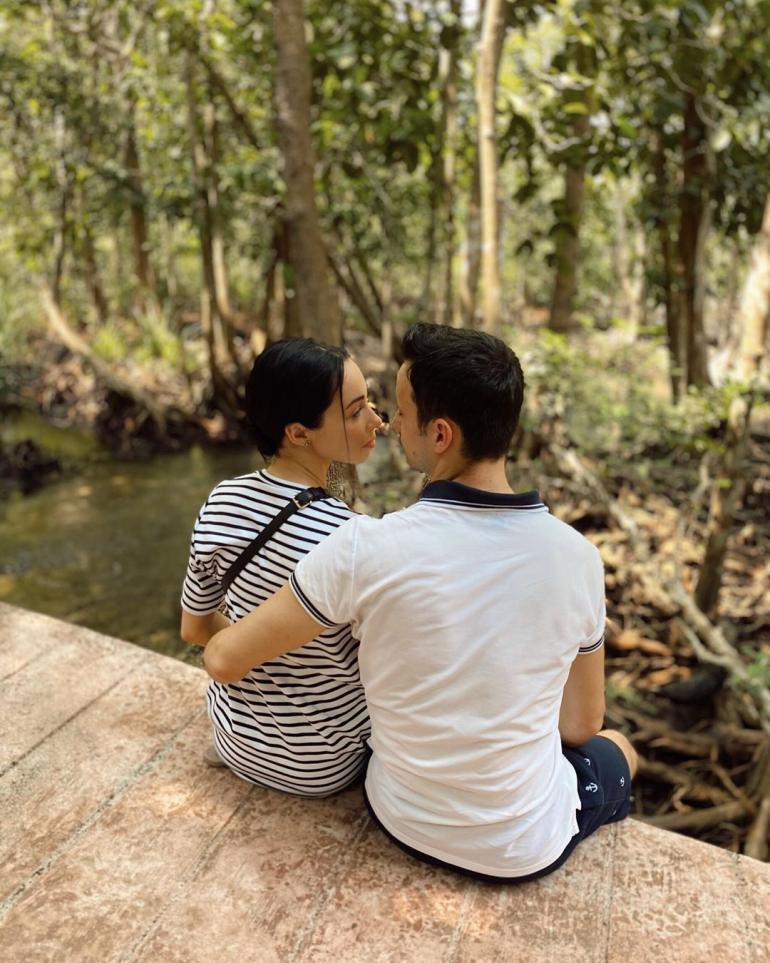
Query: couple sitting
point(480, 665)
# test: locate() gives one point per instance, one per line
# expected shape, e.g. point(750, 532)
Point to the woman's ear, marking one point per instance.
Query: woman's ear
point(296, 435)
point(443, 435)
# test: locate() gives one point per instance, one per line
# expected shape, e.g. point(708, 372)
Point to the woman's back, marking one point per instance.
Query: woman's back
point(298, 723)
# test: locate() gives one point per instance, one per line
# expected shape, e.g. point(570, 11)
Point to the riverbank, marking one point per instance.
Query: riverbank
point(62, 392)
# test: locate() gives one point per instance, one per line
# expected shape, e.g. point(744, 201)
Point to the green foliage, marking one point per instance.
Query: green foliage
point(110, 344)
point(78, 81)
point(159, 342)
point(378, 126)
point(759, 670)
point(608, 403)
point(150, 340)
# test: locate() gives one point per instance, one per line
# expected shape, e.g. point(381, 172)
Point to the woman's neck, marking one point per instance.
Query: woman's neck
point(304, 469)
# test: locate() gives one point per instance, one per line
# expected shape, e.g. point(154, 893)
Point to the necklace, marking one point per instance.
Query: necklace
point(312, 475)
point(297, 465)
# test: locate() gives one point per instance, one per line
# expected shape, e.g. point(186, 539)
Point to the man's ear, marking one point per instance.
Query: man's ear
point(444, 433)
point(296, 435)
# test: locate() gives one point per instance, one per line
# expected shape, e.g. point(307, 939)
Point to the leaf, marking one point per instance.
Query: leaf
point(699, 10)
point(575, 107)
point(721, 140)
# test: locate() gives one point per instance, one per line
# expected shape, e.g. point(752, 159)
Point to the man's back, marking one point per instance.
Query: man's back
point(471, 608)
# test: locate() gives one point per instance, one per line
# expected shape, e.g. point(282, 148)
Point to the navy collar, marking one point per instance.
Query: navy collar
point(463, 496)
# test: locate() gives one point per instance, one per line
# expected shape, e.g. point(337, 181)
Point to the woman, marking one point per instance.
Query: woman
point(298, 723)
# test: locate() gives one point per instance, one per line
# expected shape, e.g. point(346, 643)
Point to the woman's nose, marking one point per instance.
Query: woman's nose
point(380, 421)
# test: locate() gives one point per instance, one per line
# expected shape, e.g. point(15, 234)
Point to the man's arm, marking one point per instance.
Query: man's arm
point(582, 705)
point(277, 626)
point(198, 629)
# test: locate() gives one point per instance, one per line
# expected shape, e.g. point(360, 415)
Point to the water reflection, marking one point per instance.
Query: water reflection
point(108, 549)
point(66, 443)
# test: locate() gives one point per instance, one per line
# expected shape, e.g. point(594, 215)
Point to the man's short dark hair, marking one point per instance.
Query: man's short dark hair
point(470, 377)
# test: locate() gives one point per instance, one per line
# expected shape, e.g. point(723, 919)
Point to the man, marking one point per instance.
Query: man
point(481, 620)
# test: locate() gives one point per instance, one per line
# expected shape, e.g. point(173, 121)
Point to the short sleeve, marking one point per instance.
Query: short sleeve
point(202, 592)
point(595, 608)
point(323, 579)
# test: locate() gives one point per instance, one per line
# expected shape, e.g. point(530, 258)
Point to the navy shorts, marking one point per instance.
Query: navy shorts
point(604, 787)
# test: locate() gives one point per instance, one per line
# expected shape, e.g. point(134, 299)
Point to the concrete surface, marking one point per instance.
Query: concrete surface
point(117, 844)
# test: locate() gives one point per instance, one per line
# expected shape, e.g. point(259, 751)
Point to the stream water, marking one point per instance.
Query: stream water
point(107, 547)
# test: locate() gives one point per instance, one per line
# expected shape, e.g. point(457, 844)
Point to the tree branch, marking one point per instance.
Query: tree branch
point(241, 119)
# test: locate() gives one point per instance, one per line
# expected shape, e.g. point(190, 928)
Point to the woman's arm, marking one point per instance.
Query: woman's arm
point(277, 626)
point(198, 629)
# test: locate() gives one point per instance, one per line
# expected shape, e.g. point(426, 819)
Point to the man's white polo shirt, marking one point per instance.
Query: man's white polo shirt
point(470, 607)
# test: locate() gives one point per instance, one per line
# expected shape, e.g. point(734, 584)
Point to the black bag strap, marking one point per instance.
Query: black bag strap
point(305, 497)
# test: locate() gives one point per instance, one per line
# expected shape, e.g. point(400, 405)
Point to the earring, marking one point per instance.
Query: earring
point(306, 445)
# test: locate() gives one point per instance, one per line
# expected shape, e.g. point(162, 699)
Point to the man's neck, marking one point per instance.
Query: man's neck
point(487, 476)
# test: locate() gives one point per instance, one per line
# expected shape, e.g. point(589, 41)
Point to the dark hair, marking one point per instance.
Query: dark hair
point(471, 377)
point(292, 380)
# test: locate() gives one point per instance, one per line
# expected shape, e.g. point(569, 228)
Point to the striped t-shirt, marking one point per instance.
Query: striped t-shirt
point(298, 723)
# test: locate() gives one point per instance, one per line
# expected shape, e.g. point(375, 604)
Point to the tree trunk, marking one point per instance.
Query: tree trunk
point(726, 498)
point(731, 482)
point(471, 253)
point(168, 258)
point(427, 304)
point(267, 300)
point(92, 274)
point(351, 285)
point(140, 246)
point(276, 327)
point(694, 210)
point(567, 237)
point(221, 286)
point(669, 279)
point(211, 322)
point(449, 70)
point(754, 311)
point(240, 119)
point(492, 35)
point(570, 210)
point(274, 307)
point(63, 183)
point(628, 254)
point(313, 296)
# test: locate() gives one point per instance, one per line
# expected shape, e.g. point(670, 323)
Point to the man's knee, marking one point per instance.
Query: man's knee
point(625, 747)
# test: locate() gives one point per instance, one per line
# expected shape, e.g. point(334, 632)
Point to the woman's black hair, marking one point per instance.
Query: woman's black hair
point(469, 376)
point(292, 380)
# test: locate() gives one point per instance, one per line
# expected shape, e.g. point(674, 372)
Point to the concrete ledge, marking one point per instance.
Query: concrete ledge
point(118, 844)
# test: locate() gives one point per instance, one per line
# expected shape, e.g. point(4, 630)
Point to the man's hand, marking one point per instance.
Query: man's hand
point(276, 627)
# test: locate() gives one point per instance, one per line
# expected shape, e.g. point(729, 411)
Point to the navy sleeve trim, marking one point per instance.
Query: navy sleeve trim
point(591, 647)
point(307, 604)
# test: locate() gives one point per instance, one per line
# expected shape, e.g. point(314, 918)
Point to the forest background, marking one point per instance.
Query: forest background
point(183, 181)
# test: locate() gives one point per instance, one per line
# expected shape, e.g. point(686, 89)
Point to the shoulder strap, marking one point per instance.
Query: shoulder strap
point(305, 497)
